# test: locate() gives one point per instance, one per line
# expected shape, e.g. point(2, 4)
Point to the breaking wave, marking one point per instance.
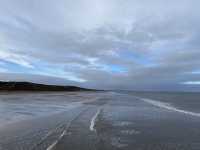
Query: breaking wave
point(169, 107)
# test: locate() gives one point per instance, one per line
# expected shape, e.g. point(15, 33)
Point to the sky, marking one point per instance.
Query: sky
point(104, 44)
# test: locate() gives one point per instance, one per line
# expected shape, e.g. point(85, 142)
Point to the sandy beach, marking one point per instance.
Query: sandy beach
point(102, 121)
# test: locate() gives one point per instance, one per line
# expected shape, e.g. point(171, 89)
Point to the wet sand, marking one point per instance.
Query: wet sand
point(113, 121)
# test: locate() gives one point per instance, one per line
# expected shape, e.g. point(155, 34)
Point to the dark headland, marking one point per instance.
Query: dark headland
point(28, 86)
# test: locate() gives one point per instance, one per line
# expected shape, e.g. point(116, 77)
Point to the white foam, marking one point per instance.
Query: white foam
point(123, 123)
point(130, 132)
point(56, 142)
point(117, 142)
point(93, 120)
point(168, 107)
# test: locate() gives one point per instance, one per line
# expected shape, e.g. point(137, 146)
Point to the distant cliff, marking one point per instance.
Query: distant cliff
point(28, 86)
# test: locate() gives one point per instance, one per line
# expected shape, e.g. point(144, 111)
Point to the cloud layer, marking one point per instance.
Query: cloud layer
point(132, 44)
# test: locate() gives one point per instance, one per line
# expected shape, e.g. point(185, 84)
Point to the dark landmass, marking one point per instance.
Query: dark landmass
point(28, 86)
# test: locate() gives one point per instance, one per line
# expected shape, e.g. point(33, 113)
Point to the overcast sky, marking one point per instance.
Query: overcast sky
point(109, 44)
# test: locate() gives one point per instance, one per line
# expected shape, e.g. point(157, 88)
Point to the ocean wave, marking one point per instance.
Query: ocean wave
point(168, 106)
point(93, 120)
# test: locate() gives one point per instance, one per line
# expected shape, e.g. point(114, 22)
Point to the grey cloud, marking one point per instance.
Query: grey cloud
point(163, 38)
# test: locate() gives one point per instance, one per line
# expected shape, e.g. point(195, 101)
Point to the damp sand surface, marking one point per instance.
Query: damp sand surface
point(99, 120)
